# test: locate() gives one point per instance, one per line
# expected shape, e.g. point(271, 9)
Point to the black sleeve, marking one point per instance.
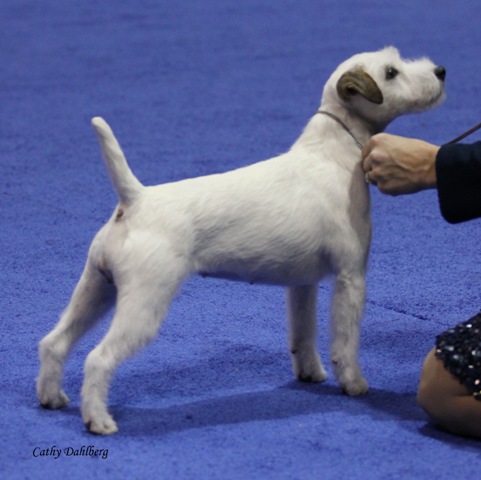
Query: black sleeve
point(458, 172)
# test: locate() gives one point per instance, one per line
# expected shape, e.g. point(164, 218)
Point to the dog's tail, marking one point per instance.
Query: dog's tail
point(125, 183)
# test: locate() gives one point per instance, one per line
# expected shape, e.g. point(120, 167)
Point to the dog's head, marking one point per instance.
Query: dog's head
point(380, 86)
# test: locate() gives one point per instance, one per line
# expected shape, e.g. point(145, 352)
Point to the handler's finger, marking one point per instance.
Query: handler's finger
point(366, 161)
point(373, 178)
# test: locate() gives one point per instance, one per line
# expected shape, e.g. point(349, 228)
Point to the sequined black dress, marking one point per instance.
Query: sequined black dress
point(460, 351)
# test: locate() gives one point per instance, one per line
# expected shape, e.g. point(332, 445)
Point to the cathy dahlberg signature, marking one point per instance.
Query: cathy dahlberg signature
point(83, 451)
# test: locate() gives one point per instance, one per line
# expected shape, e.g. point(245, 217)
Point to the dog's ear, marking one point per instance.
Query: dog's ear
point(357, 81)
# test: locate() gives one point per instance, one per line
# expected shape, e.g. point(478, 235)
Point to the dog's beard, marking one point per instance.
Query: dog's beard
point(430, 102)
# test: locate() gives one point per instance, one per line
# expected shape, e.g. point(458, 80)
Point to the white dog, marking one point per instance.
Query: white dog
point(290, 220)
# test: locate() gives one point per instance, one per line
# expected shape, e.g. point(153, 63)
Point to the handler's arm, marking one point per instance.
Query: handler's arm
point(458, 172)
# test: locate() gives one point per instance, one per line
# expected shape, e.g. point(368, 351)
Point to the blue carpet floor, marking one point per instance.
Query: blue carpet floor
point(197, 87)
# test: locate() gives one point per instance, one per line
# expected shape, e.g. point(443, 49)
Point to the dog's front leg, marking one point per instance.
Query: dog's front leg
point(346, 311)
point(302, 317)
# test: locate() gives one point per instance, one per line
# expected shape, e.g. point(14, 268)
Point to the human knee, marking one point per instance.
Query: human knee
point(428, 394)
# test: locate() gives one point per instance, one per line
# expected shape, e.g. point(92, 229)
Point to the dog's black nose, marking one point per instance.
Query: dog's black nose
point(440, 72)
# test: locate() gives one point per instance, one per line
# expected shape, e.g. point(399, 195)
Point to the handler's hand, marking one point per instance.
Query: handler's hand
point(399, 165)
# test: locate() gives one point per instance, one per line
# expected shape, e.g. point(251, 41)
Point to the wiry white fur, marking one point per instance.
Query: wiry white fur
point(289, 221)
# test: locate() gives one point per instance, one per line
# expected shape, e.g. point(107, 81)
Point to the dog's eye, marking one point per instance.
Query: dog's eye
point(391, 73)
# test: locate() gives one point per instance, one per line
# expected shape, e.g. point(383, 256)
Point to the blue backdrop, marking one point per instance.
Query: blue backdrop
point(197, 87)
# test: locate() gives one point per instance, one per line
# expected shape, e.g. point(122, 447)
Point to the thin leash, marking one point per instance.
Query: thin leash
point(343, 125)
point(359, 144)
point(464, 135)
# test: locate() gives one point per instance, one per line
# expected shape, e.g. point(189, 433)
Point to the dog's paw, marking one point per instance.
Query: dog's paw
point(53, 400)
point(97, 419)
point(356, 387)
point(105, 425)
point(308, 367)
point(350, 378)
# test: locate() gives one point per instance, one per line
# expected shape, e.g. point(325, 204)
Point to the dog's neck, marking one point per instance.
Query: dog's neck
point(342, 125)
point(357, 128)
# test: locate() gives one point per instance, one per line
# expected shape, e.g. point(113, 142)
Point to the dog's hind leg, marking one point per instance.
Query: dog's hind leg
point(302, 317)
point(92, 297)
point(142, 303)
point(346, 311)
